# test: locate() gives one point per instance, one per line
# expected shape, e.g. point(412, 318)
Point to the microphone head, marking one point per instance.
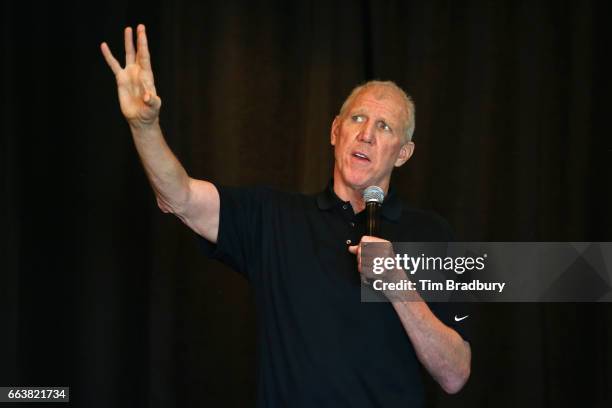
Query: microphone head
point(373, 194)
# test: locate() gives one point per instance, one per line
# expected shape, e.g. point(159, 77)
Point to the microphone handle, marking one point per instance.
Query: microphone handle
point(373, 218)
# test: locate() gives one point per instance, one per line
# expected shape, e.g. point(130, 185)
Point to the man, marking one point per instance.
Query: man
point(318, 344)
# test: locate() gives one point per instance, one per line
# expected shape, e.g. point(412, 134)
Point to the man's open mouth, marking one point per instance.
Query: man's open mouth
point(361, 156)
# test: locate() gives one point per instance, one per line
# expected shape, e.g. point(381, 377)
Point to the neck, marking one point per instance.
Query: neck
point(354, 194)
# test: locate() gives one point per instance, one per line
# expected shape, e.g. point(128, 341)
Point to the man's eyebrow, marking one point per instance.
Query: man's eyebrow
point(360, 111)
point(386, 121)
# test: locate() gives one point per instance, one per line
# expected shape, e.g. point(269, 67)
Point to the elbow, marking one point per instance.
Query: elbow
point(168, 208)
point(163, 206)
point(457, 378)
point(454, 383)
point(175, 203)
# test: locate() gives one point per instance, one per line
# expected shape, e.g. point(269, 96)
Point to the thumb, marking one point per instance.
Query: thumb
point(151, 100)
point(353, 249)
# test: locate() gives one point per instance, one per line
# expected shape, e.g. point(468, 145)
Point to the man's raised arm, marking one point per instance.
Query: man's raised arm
point(195, 202)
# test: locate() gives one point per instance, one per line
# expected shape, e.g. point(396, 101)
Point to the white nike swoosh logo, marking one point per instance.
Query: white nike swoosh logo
point(458, 319)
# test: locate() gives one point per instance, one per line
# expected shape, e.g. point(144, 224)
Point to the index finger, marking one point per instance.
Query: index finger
point(144, 59)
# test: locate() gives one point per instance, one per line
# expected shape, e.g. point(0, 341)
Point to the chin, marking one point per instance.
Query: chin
point(358, 182)
point(357, 179)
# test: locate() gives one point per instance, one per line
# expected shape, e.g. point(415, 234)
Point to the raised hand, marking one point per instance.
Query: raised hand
point(137, 96)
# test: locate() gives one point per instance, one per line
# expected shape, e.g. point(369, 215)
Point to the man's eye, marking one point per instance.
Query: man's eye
point(384, 126)
point(358, 118)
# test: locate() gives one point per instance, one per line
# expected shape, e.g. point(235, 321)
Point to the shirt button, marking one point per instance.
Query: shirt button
point(348, 242)
point(352, 224)
point(345, 206)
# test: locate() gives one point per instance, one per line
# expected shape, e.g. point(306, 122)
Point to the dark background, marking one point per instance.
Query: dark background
point(102, 292)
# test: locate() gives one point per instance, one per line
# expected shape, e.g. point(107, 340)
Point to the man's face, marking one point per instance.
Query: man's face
point(369, 139)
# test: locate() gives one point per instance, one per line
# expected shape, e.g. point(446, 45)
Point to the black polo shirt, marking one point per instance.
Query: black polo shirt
point(318, 345)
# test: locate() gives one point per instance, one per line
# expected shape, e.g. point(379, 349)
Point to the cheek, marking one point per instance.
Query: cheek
point(341, 144)
point(390, 154)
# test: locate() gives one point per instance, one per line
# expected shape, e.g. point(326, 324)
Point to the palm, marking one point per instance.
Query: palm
point(132, 84)
point(136, 87)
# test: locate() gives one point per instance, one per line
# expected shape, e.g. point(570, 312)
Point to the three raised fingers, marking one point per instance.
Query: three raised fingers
point(144, 59)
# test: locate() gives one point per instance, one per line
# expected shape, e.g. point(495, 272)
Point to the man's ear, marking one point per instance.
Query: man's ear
point(334, 130)
point(405, 153)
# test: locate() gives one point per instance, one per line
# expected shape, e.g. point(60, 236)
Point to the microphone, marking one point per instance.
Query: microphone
point(373, 197)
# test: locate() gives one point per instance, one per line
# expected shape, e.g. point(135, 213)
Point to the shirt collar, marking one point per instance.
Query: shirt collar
point(391, 208)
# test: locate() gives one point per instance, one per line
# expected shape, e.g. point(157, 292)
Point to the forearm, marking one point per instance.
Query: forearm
point(168, 178)
point(444, 354)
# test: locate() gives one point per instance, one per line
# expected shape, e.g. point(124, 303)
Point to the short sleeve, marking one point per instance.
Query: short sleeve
point(240, 228)
point(455, 315)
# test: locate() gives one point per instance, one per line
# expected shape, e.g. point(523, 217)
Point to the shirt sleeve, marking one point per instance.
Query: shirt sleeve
point(240, 228)
point(457, 316)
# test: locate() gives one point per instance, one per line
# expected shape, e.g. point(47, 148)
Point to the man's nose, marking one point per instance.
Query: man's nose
point(366, 133)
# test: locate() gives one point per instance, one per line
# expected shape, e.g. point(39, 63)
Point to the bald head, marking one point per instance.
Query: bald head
point(383, 90)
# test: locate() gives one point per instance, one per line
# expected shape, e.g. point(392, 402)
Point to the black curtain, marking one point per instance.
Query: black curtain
point(102, 292)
